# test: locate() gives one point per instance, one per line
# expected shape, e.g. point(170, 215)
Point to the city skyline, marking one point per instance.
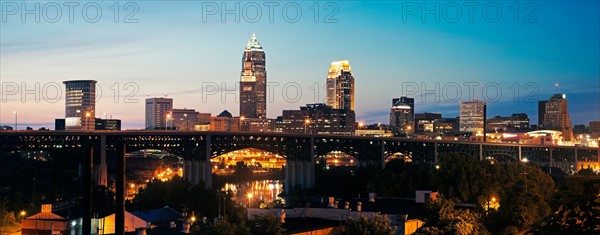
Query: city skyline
point(471, 53)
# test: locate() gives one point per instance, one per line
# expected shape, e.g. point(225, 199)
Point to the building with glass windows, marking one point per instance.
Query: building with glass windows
point(80, 104)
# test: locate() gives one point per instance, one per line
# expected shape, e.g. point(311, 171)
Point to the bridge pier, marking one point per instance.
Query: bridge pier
point(120, 192)
point(299, 174)
point(102, 168)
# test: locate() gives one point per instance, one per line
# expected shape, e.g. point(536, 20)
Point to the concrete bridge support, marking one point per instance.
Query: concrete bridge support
point(101, 169)
point(299, 174)
point(199, 168)
point(196, 171)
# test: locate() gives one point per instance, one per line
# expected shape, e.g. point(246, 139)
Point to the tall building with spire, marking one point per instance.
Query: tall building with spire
point(340, 86)
point(253, 81)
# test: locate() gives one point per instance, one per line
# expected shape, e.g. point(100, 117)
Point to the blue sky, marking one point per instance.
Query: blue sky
point(173, 51)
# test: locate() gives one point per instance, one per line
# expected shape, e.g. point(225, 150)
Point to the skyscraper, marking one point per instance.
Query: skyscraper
point(80, 105)
point(253, 81)
point(340, 86)
point(556, 116)
point(541, 112)
point(402, 115)
point(157, 111)
point(472, 117)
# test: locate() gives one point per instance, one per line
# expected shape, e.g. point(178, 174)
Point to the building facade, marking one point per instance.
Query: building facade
point(446, 125)
point(157, 113)
point(340, 86)
point(517, 121)
point(473, 116)
point(556, 116)
point(318, 119)
point(184, 119)
point(253, 81)
point(402, 115)
point(80, 104)
point(594, 129)
point(108, 124)
point(424, 121)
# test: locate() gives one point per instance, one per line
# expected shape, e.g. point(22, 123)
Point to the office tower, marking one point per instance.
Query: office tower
point(517, 121)
point(556, 116)
point(253, 81)
point(340, 86)
point(472, 117)
point(541, 112)
point(158, 111)
point(80, 104)
point(402, 115)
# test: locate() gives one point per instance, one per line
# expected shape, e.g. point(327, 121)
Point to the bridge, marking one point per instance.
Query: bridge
point(299, 150)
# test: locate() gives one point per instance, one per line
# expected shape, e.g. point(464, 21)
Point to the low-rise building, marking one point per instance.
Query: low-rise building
point(318, 119)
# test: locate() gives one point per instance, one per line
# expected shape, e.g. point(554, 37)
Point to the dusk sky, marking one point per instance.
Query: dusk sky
point(173, 51)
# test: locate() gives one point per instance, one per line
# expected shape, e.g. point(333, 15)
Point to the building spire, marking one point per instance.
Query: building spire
point(253, 44)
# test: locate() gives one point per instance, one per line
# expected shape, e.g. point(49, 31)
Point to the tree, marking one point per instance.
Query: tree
point(526, 194)
point(442, 218)
point(401, 179)
point(460, 177)
point(580, 215)
point(372, 225)
point(266, 224)
point(224, 227)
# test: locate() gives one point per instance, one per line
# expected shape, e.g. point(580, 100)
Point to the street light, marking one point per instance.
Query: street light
point(242, 118)
point(15, 113)
point(306, 123)
point(167, 121)
point(492, 200)
point(249, 199)
point(360, 125)
point(87, 115)
point(186, 122)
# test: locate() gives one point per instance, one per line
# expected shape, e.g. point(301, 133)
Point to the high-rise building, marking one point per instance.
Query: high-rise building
point(541, 112)
point(402, 115)
point(517, 121)
point(340, 86)
point(556, 116)
point(157, 111)
point(80, 105)
point(472, 116)
point(253, 81)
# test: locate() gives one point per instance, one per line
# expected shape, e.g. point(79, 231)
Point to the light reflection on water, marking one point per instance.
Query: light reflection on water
point(265, 190)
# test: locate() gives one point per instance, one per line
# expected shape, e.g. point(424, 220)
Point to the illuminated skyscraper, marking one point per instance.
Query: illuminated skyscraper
point(253, 81)
point(340, 86)
point(472, 117)
point(158, 111)
point(80, 105)
point(556, 116)
point(402, 115)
